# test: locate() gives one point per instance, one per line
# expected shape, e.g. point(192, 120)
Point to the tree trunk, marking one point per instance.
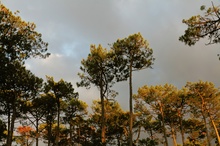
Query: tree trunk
point(12, 126)
point(11, 122)
point(103, 113)
point(138, 135)
point(163, 124)
point(130, 106)
point(204, 119)
point(173, 136)
point(103, 122)
point(58, 122)
point(9, 125)
point(181, 126)
point(216, 131)
point(206, 128)
point(214, 126)
point(37, 131)
point(182, 132)
point(71, 134)
point(49, 127)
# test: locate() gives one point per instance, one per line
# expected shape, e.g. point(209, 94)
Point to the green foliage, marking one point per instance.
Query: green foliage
point(18, 39)
point(116, 121)
point(47, 103)
point(49, 109)
point(203, 97)
point(96, 69)
point(161, 111)
point(135, 51)
point(18, 42)
point(202, 26)
point(158, 98)
point(60, 89)
point(75, 111)
point(192, 111)
point(131, 53)
point(17, 88)
point(74, 108)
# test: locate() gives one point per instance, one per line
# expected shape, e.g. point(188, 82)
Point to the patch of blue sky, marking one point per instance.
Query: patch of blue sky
point(70, 50)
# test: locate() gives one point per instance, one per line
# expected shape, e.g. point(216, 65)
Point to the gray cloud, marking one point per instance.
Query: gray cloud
point(70, 27)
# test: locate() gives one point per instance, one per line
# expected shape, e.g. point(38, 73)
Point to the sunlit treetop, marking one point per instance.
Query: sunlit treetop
point(98, 64)
point(135, 51)
point(99, 52)
point(155, 93)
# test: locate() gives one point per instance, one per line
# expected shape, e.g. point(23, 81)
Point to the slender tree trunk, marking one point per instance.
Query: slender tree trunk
point(207, 130)
point(71, 134)
point(49, 127)
point(151, 134)
point(9, 125)
point(49, 133)
point(12, 126)
point(37, 131)
point(182, 132)
point(163, 124)
point(130, 106)
point(58, 122)
point(11, 122)
point(216, 131)
point(103, 122)
point(103, 114)
point(139, 133)
point(214, 126)
point(173, 136)
point(204, 119)
point(164, 132)
point(181, 127)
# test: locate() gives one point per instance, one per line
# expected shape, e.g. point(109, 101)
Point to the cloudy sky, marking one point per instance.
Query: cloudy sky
point(70, 26)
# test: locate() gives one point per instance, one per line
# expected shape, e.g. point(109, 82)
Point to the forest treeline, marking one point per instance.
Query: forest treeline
point(34, 110)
